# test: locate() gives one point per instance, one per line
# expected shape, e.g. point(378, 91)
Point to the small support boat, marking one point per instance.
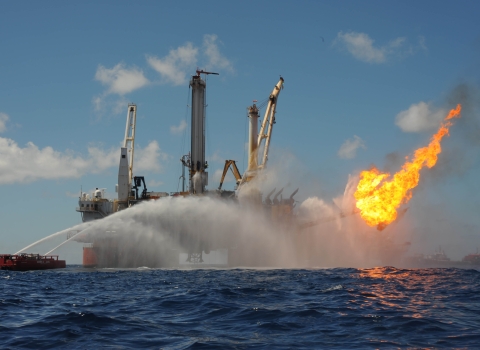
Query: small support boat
point(27, 262)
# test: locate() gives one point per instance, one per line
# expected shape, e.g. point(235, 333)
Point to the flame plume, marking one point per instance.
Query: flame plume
point(379, 195)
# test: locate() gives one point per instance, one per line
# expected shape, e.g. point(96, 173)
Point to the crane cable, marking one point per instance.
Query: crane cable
point(263, 103)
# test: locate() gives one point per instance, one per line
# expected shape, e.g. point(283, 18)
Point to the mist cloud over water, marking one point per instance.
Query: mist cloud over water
point(321, 232)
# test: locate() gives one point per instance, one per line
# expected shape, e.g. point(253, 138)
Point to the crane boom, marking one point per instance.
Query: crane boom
point(270, 119)
point(255, 138)
point(230, 164)
point(129, 140)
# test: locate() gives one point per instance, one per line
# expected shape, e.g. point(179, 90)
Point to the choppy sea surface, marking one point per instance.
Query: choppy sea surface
point(77, 308)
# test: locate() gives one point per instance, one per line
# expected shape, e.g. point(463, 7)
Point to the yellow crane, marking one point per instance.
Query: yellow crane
point(255, 140)
point(230, 164)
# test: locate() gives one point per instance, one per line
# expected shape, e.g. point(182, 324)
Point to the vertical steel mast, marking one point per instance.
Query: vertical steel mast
point(198, 165)
point(251, 171)
point(129, 141)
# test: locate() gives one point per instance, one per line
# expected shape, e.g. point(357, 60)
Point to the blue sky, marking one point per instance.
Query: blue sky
point(362, 80)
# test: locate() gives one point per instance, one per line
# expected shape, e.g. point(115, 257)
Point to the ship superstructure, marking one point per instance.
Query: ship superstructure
point(130, 189)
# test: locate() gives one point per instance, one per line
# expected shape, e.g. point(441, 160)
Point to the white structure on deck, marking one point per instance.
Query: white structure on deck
point(96, 206)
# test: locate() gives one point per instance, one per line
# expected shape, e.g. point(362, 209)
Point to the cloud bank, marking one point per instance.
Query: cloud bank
point(349, 148)
point(31, 163)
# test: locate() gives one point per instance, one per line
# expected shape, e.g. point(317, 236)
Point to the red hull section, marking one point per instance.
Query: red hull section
point(27, 262)
point(89, 257)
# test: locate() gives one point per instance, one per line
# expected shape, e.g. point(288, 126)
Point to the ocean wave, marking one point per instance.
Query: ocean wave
point(241, 308)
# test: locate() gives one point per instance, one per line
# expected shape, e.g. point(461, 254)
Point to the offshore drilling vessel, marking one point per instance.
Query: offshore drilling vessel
point(108, 249)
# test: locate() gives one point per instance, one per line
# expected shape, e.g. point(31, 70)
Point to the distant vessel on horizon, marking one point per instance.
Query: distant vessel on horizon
point(473, 259)
point(440, 259)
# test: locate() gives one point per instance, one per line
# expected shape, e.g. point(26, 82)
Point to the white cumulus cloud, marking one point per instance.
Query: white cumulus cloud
point(420, 117)
point(174, 129)
point(362, 47)
point(181, 62)
point(120, 79)
point(174, 67)
point(348, 150)
point(99, 159)
point(215, 59)
point(31, 163)
point(3, 121)
point(148, 158)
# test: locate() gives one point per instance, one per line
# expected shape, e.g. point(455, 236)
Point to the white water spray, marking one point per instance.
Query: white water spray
point(77, 227)
point(157, 233)
point(61, 244)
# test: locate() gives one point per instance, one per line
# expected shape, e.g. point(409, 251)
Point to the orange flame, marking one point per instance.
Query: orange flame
point(379, 195)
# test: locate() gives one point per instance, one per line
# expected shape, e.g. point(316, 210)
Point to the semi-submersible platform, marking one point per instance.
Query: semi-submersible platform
point(192, 238)
point(110, 249)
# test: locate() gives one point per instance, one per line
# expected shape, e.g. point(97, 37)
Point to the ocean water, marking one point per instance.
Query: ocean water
point(77, 308)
